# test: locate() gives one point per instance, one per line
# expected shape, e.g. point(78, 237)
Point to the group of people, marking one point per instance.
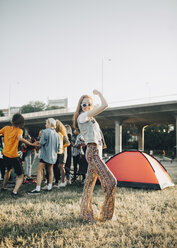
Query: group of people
point(59, 170)
point(53, 145)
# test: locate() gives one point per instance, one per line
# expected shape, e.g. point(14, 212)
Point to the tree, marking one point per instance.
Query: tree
point(159, 137)
point(1, 112)
point(156, 138)
point(109, 136)
point(33, 107)
point(53, 107)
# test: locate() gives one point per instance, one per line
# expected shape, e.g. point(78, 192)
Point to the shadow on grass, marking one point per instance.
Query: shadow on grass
point(39, 229)
point(11, 229)
point(25, 188)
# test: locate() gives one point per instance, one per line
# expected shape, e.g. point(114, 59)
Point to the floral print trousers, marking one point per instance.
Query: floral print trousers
point(98, 169)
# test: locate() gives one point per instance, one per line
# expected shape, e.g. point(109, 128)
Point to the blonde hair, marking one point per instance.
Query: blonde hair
point(61, 128)
point(79, 110)
point(51, 122)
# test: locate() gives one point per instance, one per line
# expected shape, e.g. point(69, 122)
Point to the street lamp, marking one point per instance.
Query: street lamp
point(9, 99)
point(149, 91)
point(9, 112)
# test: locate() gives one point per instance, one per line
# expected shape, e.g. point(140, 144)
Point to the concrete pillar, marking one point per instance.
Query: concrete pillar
point(140, 135)
point(176, 137)
point(118, 137)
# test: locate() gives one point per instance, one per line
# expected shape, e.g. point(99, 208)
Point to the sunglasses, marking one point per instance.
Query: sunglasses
point(86, 104)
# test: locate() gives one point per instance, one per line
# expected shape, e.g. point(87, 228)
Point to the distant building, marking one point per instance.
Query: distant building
point(13, 110)
point(60, 103)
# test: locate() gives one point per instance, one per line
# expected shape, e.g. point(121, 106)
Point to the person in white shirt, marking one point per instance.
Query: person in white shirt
point(90, 130)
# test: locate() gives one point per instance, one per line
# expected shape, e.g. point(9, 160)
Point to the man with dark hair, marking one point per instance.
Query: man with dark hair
point(12, 137)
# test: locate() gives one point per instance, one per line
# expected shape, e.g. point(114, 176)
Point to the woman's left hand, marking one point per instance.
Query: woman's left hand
point(96, 92)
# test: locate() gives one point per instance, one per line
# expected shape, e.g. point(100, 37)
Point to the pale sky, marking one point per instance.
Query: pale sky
point(53, 49)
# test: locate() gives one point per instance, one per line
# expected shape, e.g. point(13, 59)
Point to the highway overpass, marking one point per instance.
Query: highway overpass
point(140, 115)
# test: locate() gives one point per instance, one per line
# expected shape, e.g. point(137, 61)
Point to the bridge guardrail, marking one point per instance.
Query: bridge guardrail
point(37, 114)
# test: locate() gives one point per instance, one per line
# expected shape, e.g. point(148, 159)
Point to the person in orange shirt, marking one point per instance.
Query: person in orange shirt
point(12, 137)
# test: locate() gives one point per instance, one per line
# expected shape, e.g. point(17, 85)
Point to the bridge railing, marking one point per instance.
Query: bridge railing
point(39, 114)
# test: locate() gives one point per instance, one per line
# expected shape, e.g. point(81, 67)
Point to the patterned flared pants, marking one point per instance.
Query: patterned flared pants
point(98, 169)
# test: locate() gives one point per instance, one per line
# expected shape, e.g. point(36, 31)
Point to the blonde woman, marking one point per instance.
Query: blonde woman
point(90, 130)
point(50, 145)
point(62, 155)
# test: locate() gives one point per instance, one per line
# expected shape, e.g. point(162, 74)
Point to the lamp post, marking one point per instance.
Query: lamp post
point(102, 78)
point(149, 91)
point(10, 87)
point(9, 99)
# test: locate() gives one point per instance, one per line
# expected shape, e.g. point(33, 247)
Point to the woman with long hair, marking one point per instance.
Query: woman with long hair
point(69, 153)
point(62, 154)
point(91, 132)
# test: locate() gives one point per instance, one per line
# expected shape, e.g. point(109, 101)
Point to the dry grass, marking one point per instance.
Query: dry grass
point(145, 218)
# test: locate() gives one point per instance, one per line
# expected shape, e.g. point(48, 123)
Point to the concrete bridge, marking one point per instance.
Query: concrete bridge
point(140, 115)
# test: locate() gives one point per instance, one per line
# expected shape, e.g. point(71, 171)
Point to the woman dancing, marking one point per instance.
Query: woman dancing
point(89, 128)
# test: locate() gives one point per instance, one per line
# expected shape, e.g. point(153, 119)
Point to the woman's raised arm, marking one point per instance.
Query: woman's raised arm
point(98, 108)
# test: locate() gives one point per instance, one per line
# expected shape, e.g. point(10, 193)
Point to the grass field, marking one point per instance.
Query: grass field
point(145, 218)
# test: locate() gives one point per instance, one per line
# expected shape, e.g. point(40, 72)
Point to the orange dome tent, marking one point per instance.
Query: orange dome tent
point(138, 170)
